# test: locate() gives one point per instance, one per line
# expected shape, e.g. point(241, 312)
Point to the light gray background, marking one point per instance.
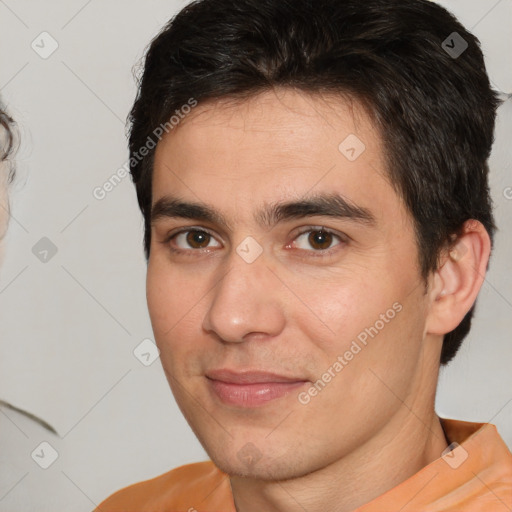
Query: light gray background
point(69, 326)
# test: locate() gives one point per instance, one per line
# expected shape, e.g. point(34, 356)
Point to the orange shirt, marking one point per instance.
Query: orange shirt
point(474, 477)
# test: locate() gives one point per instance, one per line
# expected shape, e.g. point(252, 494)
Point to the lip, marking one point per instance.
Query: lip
point(250, 388)
point(249, 376)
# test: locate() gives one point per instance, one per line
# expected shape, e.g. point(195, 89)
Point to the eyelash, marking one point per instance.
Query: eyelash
point(322, 253)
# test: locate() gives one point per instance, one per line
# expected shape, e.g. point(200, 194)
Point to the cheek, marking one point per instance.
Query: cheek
point(171, 295)
point(365, 319)
point(374, 348)
point(160, 297)
point(176, 308)
point(333, 308)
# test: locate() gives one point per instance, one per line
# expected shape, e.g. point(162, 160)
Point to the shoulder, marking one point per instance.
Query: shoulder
point(184, 488)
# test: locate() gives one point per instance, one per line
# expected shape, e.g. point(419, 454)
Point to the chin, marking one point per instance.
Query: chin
point(265, 471)
point(249, 463)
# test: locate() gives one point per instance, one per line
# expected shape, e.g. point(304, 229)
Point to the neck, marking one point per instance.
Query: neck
point(411, 439)
point(363, 475)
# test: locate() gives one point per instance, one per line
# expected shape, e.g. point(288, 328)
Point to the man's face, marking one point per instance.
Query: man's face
point(350, 294)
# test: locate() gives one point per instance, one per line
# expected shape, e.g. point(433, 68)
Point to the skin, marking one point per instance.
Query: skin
point(294, 312)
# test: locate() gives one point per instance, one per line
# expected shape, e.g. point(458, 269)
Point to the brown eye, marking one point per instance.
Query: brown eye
point(317, 240)
point(198, 239)
point(320, 239)
point(189, 240)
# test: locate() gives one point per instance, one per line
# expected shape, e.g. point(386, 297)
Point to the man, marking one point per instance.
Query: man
point(318, 226)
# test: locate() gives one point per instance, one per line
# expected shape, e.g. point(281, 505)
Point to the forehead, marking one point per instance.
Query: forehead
point(295, 118)
point(272, 147)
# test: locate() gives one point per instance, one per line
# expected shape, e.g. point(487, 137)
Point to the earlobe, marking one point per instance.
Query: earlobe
point(458, 279)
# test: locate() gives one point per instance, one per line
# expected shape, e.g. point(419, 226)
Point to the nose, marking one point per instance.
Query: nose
point(245, 301)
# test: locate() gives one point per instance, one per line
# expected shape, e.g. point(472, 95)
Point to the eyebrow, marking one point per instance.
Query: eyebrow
point(329, 205)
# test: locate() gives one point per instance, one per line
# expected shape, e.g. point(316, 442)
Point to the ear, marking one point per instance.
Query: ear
point(457, 281)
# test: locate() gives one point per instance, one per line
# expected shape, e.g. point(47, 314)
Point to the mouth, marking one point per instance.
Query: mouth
point(251, 388)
